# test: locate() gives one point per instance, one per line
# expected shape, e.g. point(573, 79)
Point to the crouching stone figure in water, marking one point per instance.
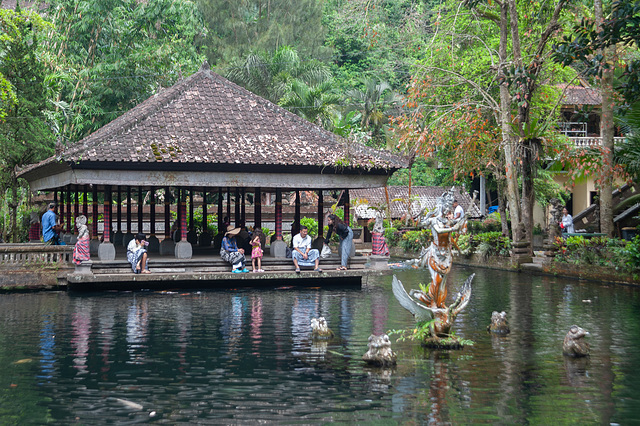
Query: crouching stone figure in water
point(574, 344)
point(499, 324)
point(430, 304)
point(380, 353)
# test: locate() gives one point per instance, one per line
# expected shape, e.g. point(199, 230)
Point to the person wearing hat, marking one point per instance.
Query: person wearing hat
point(230, 251)
point(50, 228)
point(137, 254)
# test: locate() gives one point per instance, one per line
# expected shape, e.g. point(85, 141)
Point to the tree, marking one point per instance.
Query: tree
point(472, 78)
point(314, 103)
point(270, 75)
point(373, 103)
point(238, 28)
point(25, 136)
point(116, 54)
point(593, 43)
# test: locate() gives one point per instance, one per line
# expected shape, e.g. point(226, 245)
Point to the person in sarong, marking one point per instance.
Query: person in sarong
point(137, 254)
point(81, 249)
point(230, 252)
point(379, 244)
point(302, 253)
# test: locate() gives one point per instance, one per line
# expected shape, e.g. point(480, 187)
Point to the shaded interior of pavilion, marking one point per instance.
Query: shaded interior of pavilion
point(179, 221)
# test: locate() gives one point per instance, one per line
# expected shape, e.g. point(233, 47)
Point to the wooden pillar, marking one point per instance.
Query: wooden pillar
point(237, 207)
point(347, 207)
point(243, 216)
point(257, 209)
point(106, 214)
point(167, 213)
point(320, 213)
point(228, 205)
point(76, 207)
point(62, 217)
point(85, 202)
point(69, 229)
point(183, 214)
point(220, 211)
point(204, 210)
point(94, 207)
point(119, 209)
point(140, 209)
point(278, 214)
point(129, 210)
point(296, 214)
point(191, 224)
point(152, 211)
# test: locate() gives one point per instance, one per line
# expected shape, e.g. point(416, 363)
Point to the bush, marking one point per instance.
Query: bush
point(311, 224)
point(490, 244)
point(491, 223)
point(600, 251)
point(392, 236)
point(415, 240)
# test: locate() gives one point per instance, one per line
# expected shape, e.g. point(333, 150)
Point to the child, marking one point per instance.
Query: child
point(256, 251)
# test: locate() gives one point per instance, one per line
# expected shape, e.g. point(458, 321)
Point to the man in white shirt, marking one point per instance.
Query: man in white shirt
point(458, 211)
point(302, 253)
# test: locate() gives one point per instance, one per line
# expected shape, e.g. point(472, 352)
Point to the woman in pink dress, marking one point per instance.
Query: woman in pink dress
point(256, 251)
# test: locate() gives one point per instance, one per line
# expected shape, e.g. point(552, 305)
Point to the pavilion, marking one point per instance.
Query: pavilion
point(203, 135)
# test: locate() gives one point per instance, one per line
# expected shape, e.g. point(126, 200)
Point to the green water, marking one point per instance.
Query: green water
point(243, 356)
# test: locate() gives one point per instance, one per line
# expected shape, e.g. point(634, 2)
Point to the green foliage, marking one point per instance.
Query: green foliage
point(116, 54)
point(491, 223)
point(490, 244)
point(311, 224)
point(315, 103)
point(239, 28)
point(421, 332)
point(619, 254)
point(392, 236)
point(423, 173)
point(415, 240)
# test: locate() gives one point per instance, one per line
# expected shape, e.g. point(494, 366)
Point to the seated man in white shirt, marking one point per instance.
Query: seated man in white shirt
point(458, 211)
point(302, 253)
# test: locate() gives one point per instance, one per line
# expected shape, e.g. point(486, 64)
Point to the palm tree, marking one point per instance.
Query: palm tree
point(270, 75)
point(627, 153)
point(314, 103)
point(374, 103)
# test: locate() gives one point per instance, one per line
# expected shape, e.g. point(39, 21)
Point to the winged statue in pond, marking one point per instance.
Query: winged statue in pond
point(429, 303)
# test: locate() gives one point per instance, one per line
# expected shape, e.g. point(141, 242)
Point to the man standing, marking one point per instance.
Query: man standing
point(50, 229)
point(303, 254)
point(458, 211)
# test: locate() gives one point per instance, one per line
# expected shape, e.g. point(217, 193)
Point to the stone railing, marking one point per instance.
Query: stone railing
point(33, 253)
point(591, 141)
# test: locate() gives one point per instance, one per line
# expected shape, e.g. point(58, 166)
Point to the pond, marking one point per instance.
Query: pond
point(246, 355)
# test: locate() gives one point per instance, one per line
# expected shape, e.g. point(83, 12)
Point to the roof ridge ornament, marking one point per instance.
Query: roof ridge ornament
point(205, 66)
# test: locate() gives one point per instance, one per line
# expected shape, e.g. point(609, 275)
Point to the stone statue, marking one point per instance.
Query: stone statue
point(423, 309)
point(379, 245)
point(319, 329)
point(574, 344)
point(499, 324)
point(380, 353)
point(430, 304)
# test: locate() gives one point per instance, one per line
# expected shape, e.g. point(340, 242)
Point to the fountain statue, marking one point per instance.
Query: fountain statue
point(428, 304)
point(379, 353)
point(320, 329)
point(499, 324)
point(574, 344)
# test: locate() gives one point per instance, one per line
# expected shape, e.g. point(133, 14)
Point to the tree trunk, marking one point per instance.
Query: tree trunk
point(606, 132)
point(13, 205)
point(508, 141)
point(502, 208)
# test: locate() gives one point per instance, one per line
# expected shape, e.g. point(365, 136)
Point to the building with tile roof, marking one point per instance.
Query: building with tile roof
point(206, 132)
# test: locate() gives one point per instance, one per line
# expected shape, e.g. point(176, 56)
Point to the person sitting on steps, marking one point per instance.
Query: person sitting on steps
point(302, 253)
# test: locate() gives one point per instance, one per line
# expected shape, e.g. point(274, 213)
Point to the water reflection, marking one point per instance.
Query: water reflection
point(241, 356)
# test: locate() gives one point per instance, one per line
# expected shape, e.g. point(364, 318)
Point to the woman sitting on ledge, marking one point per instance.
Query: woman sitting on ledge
point(230, 251)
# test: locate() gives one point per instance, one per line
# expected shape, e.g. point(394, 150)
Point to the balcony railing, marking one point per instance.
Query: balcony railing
point(591, 141)
point(32, 254)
